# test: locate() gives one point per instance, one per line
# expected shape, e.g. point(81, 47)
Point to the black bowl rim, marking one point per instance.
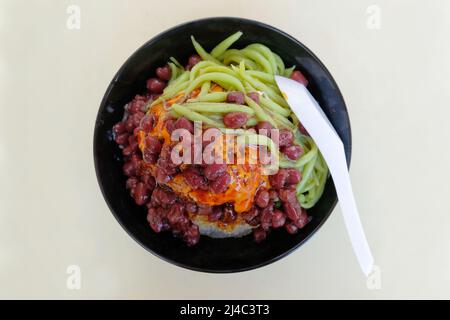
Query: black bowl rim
point(97, 136)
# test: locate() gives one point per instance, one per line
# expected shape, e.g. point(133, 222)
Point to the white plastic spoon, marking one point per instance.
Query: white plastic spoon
point(330, 145)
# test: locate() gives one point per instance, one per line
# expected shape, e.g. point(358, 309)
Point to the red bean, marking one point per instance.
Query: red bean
point(236, 97)
point(192, 235)
point(155, 85)
point(147, 122)
point(166, 166)
point(216, 214)
point(254, 222)
point(136, 158)
point(286, 138)
point(264, 128)
point(251, 214)
point(132, 182)
point(302, 129)
point(152, 149)
point(193, 60)
point(259, 234)
point(184, 123)
point(154, 199)
point(254, 96)
point(153, 144)
point(293, 177)
point(165, 163)
point(170, 125)
point(149, 204)
point(293, 152)
point(129, 124)
point(149, 157)
point(273, 195)
point(292, 210)
point(262, 198)
point(148, 180)
point(132, 108)
point(191, 207)
point(162, 197)
point(164, 73)
point(288, 195)
point(141, 194)
point(136, 131)
point(162, 212)
point(194, 179)
point(119, 128)
point(137, 117)
point(266, 217)
point(278, 180)
point(235, 120)
point(175, 214)
point(167, 198)
point(155, 220)
point(229, 215)
point(299, 77)
point(278, 219)
point(129, 168)
point(136, 106)
point(302, 220)
point(132, 141)
point(122, 139)
point(132, 191)
point(183, 223)
point(291, 228)
point(133, 121)
point(128, 151)
point(221, 183)
point(161, 176)
point(213, 171)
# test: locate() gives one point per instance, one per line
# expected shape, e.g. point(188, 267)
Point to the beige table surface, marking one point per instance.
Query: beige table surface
point(395, 81)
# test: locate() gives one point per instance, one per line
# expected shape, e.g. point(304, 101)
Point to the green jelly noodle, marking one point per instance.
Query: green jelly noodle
point(250, 69)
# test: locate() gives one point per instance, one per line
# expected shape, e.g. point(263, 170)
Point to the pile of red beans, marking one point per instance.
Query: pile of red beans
point(277, 207)
point(166, 211)
point(274, 208)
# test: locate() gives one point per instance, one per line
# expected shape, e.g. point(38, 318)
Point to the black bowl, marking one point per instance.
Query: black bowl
point(210, 255)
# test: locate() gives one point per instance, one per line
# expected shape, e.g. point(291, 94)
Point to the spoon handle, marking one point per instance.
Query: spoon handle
point(330, 145)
